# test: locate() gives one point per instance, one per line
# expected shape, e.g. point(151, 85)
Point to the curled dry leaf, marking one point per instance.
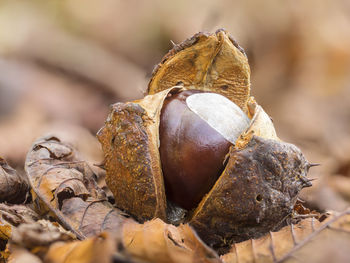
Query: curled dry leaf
point(13, 186)
point(66, 187)
point(310, 240)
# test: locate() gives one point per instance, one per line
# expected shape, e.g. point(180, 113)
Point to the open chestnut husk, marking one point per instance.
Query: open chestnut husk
point(199, 149)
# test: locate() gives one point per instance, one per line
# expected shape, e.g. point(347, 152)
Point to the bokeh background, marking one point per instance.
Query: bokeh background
point(63, 62)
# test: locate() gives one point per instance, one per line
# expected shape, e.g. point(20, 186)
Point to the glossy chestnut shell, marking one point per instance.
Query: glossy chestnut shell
point(192, 153)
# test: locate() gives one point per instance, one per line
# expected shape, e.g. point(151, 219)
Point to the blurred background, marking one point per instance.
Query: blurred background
point(63, 62)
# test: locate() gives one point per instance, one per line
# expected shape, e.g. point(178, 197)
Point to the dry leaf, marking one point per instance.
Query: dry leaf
point(341, 185)
point(20, 255)
point(38, 236)
point(13, 186)
point(153, 241)
point(66, 187)
point(156, 241)
point(103, 248)
point(12, 216)
point(308, 241)
point(41, 233)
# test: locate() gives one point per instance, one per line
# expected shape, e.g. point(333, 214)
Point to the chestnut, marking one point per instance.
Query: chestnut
point(192, 152)
point(203, 152)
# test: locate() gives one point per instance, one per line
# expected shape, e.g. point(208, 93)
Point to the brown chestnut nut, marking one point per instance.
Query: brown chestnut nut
point(192, 152)
point(205, 146)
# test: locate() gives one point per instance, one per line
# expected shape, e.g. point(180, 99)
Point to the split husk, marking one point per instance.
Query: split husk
point(263, 175)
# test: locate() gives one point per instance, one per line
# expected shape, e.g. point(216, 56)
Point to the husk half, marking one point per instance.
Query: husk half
point(208, 62)
point(231, 210)
point(130, 142)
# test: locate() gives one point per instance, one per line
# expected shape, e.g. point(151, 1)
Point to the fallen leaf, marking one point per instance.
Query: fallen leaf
point(38, 236)
point(153, 241)
point(20, 254)
point(341, 185)
point(14, 187)
point(10, 217)
point(102, 248)
point(39, 233)
point(156, 241)
point(310, 240)
point(66, 187)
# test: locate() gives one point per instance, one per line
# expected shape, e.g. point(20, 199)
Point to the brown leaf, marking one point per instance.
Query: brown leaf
point(153, 241)
point(66, 187)
point(17, 214)
point(10, 217)
point(300, 209)
point(308, 241)
point(41, 233)
point(341, 185)
point(13, 186)
point(103, 248)
point(20, 254)
point(38, 236)
point(156, 241)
